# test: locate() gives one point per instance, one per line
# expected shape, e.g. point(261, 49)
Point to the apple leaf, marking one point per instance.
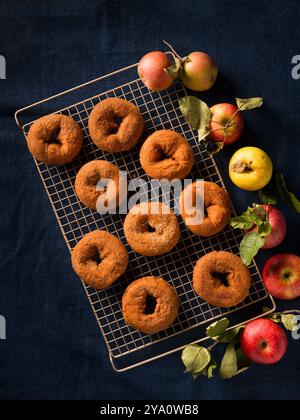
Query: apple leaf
point(217, 328)
point(234, 361)
point(228, 336)
point(241, 222)
point(254, 215)
point(195, 359)
point(175, 69)
point(250, 103)
point(264, 229)
point(286, 196)
point(250, 246)
point(290, 322)
point(267, 199)
point(209, 370)
point(197, 114)
point(257, 214)
point(229, 365)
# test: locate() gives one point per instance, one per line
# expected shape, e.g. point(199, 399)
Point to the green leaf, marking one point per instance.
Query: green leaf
point(175, 69)
point(209, 370)
point(241, 222)
point(229, 365)
point(195, 359)
point(286, 196)
point(257, 214)
point(217, 328)
point(197, 114)
point(254, 215)
point(250, 103)
point(265, 229)
point(250, 246)
point(290, 322)
point(267, 199)
point(230, 335)
point(234, 361)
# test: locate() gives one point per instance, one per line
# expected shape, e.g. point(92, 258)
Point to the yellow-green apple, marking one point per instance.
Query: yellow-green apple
point(199, 71)
point(281, 276)
point(278, 224)
point(264, 342)
point(152, 71)
point(227, 123)
point(250, 169)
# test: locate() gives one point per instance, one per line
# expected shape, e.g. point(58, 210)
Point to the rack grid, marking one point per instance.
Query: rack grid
point(160, 111)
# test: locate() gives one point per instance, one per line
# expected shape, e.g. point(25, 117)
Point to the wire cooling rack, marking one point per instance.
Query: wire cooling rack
point(160, 111)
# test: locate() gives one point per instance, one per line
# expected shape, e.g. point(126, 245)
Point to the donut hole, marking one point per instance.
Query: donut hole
point(222, 278)
point(163, 153)
point(96, 257)
point(150, 228)
point(150, 305)
point(115, 125)
point(53, 139)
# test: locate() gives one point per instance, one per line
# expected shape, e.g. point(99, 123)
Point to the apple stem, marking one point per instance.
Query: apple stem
point(172, 49)
point(291, 311)
point(212, 346)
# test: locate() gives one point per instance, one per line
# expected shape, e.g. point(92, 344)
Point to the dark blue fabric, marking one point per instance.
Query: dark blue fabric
point(53, 348)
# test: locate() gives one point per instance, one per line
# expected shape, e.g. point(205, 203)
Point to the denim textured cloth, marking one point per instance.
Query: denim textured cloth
point(53, 349)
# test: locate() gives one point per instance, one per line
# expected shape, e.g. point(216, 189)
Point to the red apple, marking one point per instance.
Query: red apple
point(264, 342)
point(151, 70)
point(281, 276)
point(227, 123)
point(278, 224)
point(199, 72)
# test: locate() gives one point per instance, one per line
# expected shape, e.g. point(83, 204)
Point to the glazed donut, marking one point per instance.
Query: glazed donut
point(217, 208)
point(150, 305)
point(166, 155)
point(99, 259)
point(151, 229)
point(55, 139)
point(221, 279)
point(113, 192)
point(115, 125)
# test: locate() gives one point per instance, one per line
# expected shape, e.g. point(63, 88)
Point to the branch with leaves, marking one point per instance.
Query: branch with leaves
point(199, 361)
point(254, 217)
point(198, 114)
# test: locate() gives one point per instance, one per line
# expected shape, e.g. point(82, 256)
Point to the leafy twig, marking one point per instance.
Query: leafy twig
point(199, 361)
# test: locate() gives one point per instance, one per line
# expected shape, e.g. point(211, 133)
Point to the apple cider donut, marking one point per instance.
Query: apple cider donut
point(221, 279)
point(151, 229)
point(217, 208)
point(55, 139)
point(150, 305)
point(99, 259)
point(115, 125)
point(113, 192)
point(166, 155)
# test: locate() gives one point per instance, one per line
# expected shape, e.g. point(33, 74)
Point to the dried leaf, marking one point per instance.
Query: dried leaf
point(250, 103)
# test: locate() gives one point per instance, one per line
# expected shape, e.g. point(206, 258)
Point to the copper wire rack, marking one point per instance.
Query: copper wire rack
point(127, 347)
